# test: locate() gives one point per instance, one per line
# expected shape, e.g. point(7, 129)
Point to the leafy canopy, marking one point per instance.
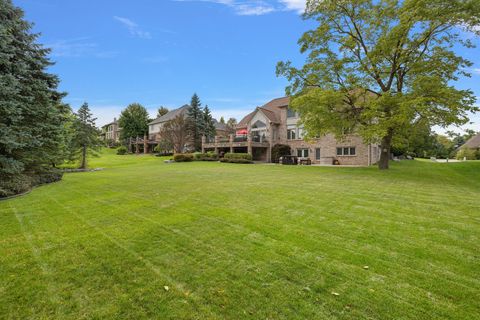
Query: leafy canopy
point(133, 121)
point(376, 66)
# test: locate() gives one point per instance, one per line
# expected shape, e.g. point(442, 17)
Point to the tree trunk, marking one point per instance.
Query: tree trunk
point(385, 147)
point(84, 158)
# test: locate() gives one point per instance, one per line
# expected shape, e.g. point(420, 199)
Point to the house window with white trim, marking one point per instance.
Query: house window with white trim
point(346, 151)
point(302, 153)
point(291, 133)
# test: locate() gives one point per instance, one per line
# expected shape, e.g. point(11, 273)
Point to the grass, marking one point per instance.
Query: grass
point(244, 242)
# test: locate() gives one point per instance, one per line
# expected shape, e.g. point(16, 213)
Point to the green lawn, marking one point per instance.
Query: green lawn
point(244, 242)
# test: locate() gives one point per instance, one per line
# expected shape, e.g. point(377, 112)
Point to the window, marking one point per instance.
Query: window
point(291, 134)
point(302, 153)
point(317, 153)
point(290, 113)
point(300, 133)
point(346, 151)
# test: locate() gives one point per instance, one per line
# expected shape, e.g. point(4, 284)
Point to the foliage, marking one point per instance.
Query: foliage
point(196, 122)
point(231, 125)
point(48, 175)
point(208, 124)
point(233, 156)
point(280, 150)
point(122, 150)
point(162, 111)
point(176, 133)
point(467, 153)
point(164, 146)
point(222, 120)
point(85, 139)
point(377, 66)
point(32, 115)
point(208, 156)
point(16, 184)
point(183, 157)
point(133, 121)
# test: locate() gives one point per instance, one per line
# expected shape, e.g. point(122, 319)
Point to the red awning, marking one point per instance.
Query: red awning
point(242, 131)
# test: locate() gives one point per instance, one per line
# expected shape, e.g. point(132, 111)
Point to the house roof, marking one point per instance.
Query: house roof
point(473, 142)
point(220, 126)
point(270, 109)
point(171, 115)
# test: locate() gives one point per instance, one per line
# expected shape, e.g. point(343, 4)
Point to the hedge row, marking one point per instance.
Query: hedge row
point(209, 156)
point(20, 183)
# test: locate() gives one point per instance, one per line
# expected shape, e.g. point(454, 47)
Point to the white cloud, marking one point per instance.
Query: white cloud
point(133, 28)
point(258, 7)
point(476, 70)
point(78, 47)
point(295, 5)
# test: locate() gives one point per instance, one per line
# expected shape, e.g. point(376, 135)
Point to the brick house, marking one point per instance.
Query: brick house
point(274, 123)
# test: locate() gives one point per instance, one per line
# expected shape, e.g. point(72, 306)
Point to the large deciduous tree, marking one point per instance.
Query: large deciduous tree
point(175, 133)
point(377, 66)
point(32, 115)
point(133, 121)
point(85, 140)
point(196, 121)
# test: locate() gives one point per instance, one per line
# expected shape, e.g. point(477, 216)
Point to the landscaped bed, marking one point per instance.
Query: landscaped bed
point(204, 240)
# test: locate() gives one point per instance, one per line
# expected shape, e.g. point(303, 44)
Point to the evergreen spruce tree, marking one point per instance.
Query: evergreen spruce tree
point(196, 127)
point(208, 123)
point(32, 115)
point(85, 140)
point(222, 120)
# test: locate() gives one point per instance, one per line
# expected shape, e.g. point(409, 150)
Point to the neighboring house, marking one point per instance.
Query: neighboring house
point(274, 123)
point(156, 125)
point(473, 142)
point(111, 131)
point(221, 129)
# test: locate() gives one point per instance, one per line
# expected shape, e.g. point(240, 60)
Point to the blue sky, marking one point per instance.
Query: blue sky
point(159, 52)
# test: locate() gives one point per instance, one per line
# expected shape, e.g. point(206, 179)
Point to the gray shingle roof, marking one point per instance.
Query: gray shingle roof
point(171, 115)
point(473, 142)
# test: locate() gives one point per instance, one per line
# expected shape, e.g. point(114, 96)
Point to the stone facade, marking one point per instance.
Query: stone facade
point(275, 124)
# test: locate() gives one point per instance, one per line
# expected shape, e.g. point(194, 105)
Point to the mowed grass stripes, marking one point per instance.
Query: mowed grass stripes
point(143, 239)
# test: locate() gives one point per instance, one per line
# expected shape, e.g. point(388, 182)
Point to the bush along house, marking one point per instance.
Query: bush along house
point(275, 124)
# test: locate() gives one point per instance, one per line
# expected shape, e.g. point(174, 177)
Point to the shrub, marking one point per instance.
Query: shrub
point(232, 156)
point(280, 150)
point(15, 184)
point(209, 156)
point(183, 157)
point(242, 161)
point(47, 176)
point(122, 150)
point(466, 153)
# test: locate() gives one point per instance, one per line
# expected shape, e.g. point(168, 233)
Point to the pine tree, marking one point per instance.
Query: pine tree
point(222, 120)
point(196, 127)
point(31, 112)
point(85, 140)
point(208, 123)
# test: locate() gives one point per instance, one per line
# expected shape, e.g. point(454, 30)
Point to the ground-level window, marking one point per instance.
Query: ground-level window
point(317, 153)
point(346, 151)
point(302, 153)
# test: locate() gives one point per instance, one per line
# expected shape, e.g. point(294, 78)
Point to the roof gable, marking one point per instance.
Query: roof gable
point(171, 115)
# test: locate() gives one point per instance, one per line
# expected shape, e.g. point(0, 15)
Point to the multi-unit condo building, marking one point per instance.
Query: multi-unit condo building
point(275, 123)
